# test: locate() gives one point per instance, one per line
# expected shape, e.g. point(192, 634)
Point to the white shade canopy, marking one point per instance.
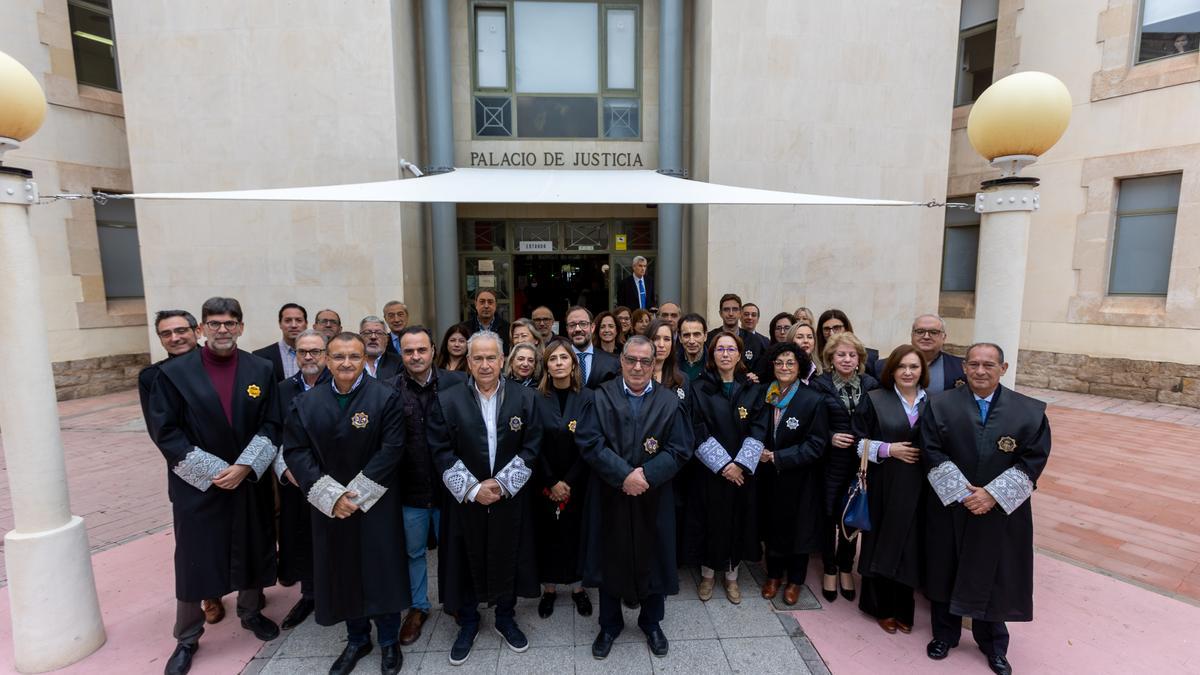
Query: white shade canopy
point(533, 186)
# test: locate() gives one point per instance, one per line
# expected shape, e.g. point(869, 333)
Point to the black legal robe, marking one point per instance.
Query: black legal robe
point(629, 542)
point(791, 488)
point(146, 379)
point(224, 539)
point(295, 521)
point(982, 565)
point(721, 525)
point(271, 353)
point(360, 567)
point(486, 552)
point(558, 528)
point(605, 367)
point(896, 496)
point(389, 367)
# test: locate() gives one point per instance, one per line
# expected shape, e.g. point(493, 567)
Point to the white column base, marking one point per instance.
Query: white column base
point(52, 594)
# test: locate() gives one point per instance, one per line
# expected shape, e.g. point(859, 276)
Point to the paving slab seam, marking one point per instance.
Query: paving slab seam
point(1119, 577)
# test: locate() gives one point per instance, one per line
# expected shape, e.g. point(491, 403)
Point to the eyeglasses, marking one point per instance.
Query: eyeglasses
point(927, 332)
point(179, 332)
point(543, 320)
point(833, 328)
point(305, 353)
point(218, 325)
point(635, 362)
point(328, 322)
point(725, 350)
point(579, 324)
point(372, 333)
point(786, 365)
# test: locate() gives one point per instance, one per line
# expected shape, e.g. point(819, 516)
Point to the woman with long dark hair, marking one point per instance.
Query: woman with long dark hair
point(561, 477)
point(778, 329)
point(452, 353)
point(608, 333)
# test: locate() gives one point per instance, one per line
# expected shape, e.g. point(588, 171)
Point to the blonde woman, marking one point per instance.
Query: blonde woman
point(524, 364)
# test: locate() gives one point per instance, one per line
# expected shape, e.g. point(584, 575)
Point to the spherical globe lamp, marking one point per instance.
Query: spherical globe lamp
point(1019, 118)
point(22, 103)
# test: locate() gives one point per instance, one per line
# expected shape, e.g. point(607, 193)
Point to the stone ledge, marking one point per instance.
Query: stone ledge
point(81, 378)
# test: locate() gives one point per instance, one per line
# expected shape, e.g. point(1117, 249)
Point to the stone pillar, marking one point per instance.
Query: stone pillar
point(439, 121)
point(52, 593)
point(1005, 206)
point(668, 273)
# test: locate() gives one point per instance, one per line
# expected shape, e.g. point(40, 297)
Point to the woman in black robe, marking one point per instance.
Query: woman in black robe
point(890, 561)
point(791, 489)
point(561, 478)
point(845, 385)
point(730, 416)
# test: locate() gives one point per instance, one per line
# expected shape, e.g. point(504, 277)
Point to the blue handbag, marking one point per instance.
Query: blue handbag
point(856, 515)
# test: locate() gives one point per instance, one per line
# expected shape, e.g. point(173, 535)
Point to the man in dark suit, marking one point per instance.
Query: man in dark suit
point(396, 315)
point(486, 318)
point(381, 364)
point(945, 369)
point(293, 320)
point(597, 365)
point(984, 446)
point(637, 291)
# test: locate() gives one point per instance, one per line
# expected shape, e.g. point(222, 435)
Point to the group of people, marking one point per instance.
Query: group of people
point(602, 451)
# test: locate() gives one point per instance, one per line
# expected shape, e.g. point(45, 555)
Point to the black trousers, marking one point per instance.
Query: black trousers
point(885, 598)
point(612, 622)
point(506, 612)
point(991, 636)
point(794, 565)
point(189, 617)
point(837, 552)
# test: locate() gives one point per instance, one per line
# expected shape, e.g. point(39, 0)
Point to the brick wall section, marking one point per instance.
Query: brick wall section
point(101, 375)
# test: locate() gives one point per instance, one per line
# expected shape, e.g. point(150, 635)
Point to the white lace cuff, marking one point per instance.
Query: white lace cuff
point(258, 455)
point(872, 450)
point(324, 494)
point(198, 468)
point(949, 483)
point(513, 476)
point(713, 455)
point(459, 481)
point(368, 491)
point(1010, 489)
point(749, 454)
point(279, 466)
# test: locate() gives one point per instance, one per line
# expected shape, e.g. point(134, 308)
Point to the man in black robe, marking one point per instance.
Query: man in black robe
point(295, 522)
point(635, 439)
point(984, 446)
point(597, 366)
point(210, 416)
point(485, 435)
point(342, 443)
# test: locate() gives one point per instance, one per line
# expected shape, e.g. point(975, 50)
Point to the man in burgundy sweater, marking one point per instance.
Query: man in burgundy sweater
point(209, 416)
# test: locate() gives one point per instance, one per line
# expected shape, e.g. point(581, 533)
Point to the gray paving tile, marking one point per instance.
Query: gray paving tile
point(624, 658)
point(687, 620)
point(790, 625)
point(318, 665)
point(587, 627)
point(537, 660)
point(480, 661)
point(687, 585)
point(557, 630)
point(423, 643)
point(310, 639)
point(764, 656)
point(753, 618)
point(692, 657)
point(809, 653)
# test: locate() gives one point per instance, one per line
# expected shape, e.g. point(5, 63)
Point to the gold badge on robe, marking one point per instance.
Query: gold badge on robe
point(571, 426)
point(253, 391)
point(651, 445)
point(959, 382)
point(515, 423)
point(359, 420)
point(742, 413)
point(1007, 444)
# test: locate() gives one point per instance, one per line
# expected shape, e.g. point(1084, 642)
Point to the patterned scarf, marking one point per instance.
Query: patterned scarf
point(848, 389)
point(778, 398)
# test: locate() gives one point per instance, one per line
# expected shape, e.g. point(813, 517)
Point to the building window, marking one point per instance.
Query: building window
point(960, 247)
point(120, 256)
point(565, 69)
point(1168, 28)
point(976, 49)
point(94, 43)
point(1144, 235)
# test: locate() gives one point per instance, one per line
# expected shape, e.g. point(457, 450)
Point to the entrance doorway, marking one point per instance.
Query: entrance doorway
point(559, 282)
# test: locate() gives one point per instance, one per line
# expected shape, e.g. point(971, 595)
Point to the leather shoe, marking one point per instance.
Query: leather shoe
point(999, 665)
point(632, 604)
point(888, 625)
point(938, 649)
point(583, 604)
point(263, 628)
point(546, 604)
point(771, 588)
point(298, 613)
point(410, 632)
point(181, 659)
point(848, 590)
point(344, 665)
point(390, 660)
point(733, 592)
point(657, 641)
point(705, 589)
point(905, 628)
point(828, 580)
point(602, 645)
point(214, 610)
point(791, 594)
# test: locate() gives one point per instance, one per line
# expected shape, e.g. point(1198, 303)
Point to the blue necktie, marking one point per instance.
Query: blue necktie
point(396, 342)
point(983, 409)
point(586, 364)
point(641, 294)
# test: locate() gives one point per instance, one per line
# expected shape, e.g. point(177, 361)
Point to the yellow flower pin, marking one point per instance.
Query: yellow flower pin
point(253, 391)
point(742, 412)
point(571, 426)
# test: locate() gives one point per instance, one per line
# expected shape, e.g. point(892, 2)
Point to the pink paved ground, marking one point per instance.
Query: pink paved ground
point(1084, 622)
point(137, 599)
